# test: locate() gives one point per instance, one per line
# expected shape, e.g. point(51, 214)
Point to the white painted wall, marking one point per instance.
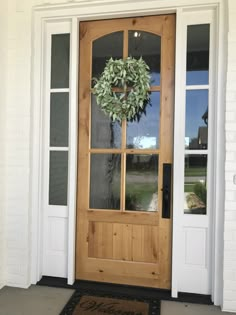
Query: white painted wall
point(17, 120)
point(15, 109)
point(3, 75)
point(229, 298)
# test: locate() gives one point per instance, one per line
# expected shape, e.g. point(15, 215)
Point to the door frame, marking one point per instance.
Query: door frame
point(80, 11)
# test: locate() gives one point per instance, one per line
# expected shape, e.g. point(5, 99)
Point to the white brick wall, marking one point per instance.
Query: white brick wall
point(229, 275)
point(18, 141)
point(3, 59)
point(15, 146)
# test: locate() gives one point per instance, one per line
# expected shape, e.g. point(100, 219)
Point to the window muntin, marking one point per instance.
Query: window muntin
point(197, 109)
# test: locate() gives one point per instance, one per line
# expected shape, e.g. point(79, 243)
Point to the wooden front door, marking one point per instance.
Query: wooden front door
point(124, 175)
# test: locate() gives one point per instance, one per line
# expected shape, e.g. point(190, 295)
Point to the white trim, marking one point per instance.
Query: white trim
point(58, 148)
point(219, 152)
point(105, 9)
point(35, 158)
point(178, 167)
point(59, 90)
point(197, 152)
point(93, 8)
point(197, 87)
point(72, 166)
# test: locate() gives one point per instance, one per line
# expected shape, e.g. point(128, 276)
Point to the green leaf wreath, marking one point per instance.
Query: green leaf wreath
point(122, 90)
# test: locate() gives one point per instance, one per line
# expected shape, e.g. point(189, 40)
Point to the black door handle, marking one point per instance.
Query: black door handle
point(166, 194)
point(166, 191)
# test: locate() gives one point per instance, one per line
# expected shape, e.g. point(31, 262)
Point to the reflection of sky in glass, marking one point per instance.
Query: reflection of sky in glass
point(155, 78)
point(197, 77)
point(145, 132)
point(196, 106)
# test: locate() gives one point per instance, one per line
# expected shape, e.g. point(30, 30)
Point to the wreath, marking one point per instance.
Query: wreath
point(122, 89)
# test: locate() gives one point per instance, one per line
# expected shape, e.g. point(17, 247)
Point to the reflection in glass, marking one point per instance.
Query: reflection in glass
point(58, 177)
point(144, 133)
point(196, 123)
point(104, 48)
point(59, 119)
point(141, 182)
point(195, 177)
point(148, 46)
point(198, 54)
point(60, 59)
point(105, 181)
point(104, 132)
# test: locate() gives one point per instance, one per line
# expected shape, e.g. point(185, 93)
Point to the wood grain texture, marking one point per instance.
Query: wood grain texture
point(127, 242)
point(127, 247)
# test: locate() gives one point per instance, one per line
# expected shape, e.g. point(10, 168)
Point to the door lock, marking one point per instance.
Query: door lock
point(166, 191)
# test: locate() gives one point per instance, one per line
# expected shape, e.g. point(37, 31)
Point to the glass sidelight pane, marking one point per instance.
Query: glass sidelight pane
point(198, 37)
point(104, 48)
point(58, 178)
point(104, 132)
point(60, 59)
point(148, 46)
point(196, 124)
point(105, 181)
point(195, 191)
point(59, 119)
point(143, 133)
point(141, 182)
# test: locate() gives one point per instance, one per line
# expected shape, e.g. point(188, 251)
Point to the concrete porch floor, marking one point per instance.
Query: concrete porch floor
point(39, 300)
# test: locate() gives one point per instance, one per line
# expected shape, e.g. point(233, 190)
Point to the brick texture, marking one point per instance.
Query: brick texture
point(18, 142)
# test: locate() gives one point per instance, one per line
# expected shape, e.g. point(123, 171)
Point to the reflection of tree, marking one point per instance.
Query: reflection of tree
point(112, 134)
point(113, 164)
point(205, 117)
point(193, 143)
point(202, 138)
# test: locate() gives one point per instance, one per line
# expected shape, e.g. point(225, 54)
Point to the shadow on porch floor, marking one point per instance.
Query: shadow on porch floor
point(42, 300)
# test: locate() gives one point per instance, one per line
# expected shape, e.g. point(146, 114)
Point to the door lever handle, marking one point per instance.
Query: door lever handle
point(166, 191)
point(166, 194)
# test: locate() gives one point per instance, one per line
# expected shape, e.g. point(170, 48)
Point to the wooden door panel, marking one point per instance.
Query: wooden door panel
point(100, 242)
point(126, 242)
point(121, 246)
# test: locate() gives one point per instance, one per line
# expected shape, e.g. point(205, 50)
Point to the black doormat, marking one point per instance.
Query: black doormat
point(89, 301)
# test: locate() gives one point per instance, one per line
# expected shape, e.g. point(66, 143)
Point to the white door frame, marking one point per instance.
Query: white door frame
point(100, 9)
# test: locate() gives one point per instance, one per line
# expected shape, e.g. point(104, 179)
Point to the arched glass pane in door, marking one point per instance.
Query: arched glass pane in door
point(126, 180)
point(104, 132)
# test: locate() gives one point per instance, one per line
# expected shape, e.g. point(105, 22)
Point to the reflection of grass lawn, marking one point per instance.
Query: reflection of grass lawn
point(189, 187)
point(140, 187)
point(195, 171)
point(140, 195)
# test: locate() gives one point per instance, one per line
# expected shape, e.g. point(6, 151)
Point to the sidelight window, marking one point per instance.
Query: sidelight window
point(196, 119)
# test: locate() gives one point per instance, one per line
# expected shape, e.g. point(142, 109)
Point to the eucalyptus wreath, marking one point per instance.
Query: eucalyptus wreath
point(122, 89)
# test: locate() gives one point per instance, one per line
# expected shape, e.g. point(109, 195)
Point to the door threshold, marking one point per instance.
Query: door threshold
point(134, 291)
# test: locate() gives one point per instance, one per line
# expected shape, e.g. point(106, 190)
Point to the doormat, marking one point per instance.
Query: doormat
point(91, 303)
